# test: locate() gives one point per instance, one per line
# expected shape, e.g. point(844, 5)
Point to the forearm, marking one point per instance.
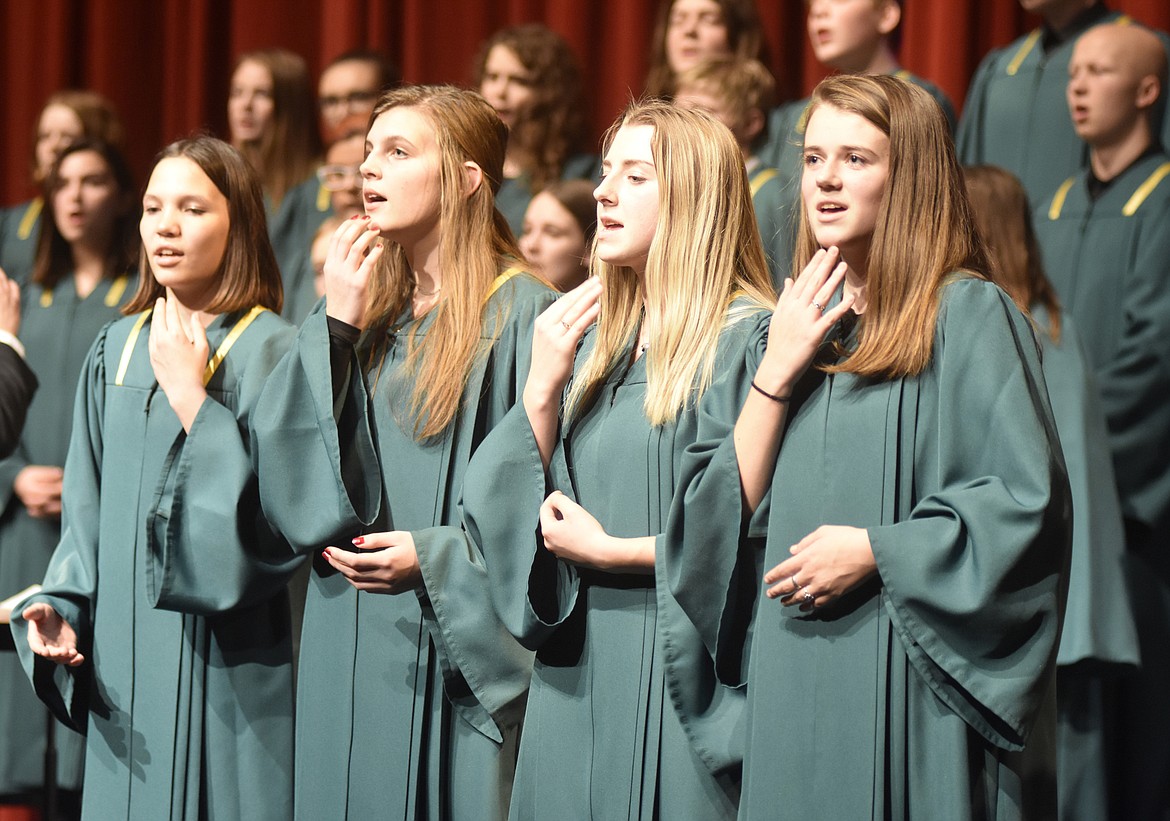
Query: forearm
point(543, 413)
point(758, 431)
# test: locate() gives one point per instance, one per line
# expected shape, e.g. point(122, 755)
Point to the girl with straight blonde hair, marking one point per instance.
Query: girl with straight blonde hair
point(366, 430)
point(680, 292)
point(899, 441)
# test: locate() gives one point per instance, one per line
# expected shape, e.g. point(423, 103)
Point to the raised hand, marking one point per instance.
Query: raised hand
point(50, 636)
point(178, 354)
point(353, 252)
point(9, 305)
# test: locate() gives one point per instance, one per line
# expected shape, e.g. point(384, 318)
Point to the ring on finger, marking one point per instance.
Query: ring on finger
point(818, 306)
point(568, 327)
point(795, 584)
point(809, 599)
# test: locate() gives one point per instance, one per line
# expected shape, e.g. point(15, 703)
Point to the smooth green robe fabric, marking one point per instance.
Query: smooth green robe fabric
point(775, 205)
point(601, 739)
point(291, 227)
point(515, 192)
point(1016, 113)
point(409, 705)
point(187, 716)
point(57, 338)
point(18, 239)
point(914, 695)
point(1111, 271)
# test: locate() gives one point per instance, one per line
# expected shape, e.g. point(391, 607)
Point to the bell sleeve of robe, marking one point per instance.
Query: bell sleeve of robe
point(1135, 383)
point(70, 585)
point(706, 561)
point(713, 544)
point(974, 574)
point(209, 547)
point(316, 458)
point(473, 645)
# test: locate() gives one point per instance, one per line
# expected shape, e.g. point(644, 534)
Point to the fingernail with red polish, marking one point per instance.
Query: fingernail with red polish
point(359, 541)
point(325, 553)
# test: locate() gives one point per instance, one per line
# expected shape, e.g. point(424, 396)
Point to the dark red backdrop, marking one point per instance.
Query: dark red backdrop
point(165, 63)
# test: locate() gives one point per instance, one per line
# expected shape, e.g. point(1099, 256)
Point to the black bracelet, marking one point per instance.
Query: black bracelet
point(772, 396)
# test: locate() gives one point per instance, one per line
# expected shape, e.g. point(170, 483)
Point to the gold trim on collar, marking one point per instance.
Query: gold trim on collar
point(1023, 53)
point(222, 351)
point(24, 231)
point(128, 348)
point(117, 288)
point(323, 199)
point(499, 281)
point(1058, 200)
point(760, 178)
point(1145, 189)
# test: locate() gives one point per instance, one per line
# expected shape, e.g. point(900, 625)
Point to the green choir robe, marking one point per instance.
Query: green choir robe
point(1016, 114)
point(625, 718)
point(291, 227)
point(409, 705)
point(775, 206)
point(57, 328)
point(516, 192)
point(786, 122)
point(914, 695)
point(20, 227)
point(187, 716)
point(1109, 260)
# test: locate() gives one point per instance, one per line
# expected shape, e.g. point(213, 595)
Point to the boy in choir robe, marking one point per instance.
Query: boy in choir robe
point(1105, 236)
point(852, 37)
point(1015, 115)
point(739, 93)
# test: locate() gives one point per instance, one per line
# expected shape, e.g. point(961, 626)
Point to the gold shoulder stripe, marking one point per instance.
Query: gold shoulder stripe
point(499, 281)
point(114, 295)
point(222, 351)
point(1023, 53)
point(323, 201)
point(760, 178)
point(903, 74)
point(1145, 189)
point(46, 299)
point(1059, 198)
point(128, 348)
point(1123, 20)
point(24, 231)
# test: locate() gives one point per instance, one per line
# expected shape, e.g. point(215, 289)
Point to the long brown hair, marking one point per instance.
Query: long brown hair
point(1004, 220)
point(550, 128)
point(475, 246)
point(289, 149)
point(248, 273)
point(924, 228)
point(99, 121)
point(744, 40)
point(706, 251)
point(54, 257)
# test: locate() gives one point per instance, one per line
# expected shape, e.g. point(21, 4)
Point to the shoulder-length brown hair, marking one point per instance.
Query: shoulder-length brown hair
point(1004, 221)
point(99, 121)
point(54, 257)
point(924, 227)
point(744, 40)
point(248, 273)
point(287, 153)
point(475, 246)
point(550, 128)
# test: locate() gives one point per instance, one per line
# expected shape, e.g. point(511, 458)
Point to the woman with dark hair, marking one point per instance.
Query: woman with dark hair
point(689, 32)
point(187, 715)
point(84, 273)
point(900, 661)
point(559, 226)
point(1099, 641)
point(532, 79)
point(67, 116)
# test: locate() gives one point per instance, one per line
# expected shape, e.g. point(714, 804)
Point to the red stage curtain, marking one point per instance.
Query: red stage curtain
point(166, 63)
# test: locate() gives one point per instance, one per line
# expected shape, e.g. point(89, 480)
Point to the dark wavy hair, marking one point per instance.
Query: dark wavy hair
point(744, 39)
point(248, 273)
point(550, 129)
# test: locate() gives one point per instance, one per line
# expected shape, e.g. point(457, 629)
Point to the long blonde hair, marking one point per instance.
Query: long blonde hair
point(924, 230)
point(706, 251)
point(475, 245)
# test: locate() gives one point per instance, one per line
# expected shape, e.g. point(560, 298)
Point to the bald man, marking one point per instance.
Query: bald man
point(1105, 235)
point(1015, 114)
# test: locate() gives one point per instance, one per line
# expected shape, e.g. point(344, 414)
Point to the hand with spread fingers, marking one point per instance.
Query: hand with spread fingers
point(801, 320)
point(50, 636)
point(384, 563)
point(825, 565)
point(572, 533)
point(178, 355)
point(554, 343)
point(353, 252)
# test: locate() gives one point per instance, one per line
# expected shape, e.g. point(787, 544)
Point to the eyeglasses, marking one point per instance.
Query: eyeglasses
point(340, 177)
point(355, 100)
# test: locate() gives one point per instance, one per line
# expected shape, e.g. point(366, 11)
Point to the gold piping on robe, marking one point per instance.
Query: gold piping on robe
point(222, 351)
point(24, 231)
point(128, 349)
point(1023, 53)
point(760, 178)
point(1059, 198)
point(114, 295)
point(1145, 189)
